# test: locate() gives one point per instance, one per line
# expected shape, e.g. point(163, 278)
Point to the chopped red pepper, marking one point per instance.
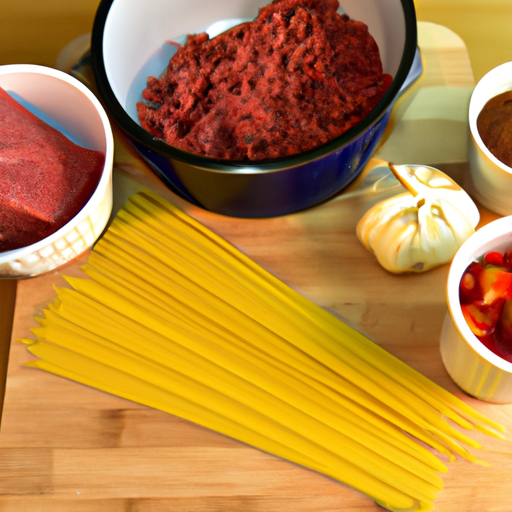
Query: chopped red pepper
point(486, 301)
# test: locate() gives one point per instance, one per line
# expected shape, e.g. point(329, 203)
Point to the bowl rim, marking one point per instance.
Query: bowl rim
point(106, 173)
point(494, 233)
point(135, 131)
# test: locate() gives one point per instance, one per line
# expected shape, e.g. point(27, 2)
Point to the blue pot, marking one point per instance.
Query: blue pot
point(120, 50)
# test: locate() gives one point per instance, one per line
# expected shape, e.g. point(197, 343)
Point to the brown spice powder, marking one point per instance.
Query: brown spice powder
point(495, 126)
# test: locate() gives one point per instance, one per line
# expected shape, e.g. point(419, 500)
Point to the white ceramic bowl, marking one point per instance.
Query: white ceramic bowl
point(471, 365)
point(74, 108)
point(490, 179)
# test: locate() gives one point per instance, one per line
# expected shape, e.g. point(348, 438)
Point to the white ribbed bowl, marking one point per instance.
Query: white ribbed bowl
point(69, 103)
point(471, 365)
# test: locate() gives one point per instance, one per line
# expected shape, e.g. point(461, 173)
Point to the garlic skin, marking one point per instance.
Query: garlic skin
point(421, 228)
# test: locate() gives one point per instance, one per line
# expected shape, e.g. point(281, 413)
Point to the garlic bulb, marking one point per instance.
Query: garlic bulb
point(421, 228)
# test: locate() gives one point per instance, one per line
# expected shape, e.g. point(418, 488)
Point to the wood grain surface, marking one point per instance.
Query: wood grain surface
point(65, 447)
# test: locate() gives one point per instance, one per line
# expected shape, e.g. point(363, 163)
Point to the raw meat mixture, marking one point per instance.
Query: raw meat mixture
point(45, 179)
point(298, 76)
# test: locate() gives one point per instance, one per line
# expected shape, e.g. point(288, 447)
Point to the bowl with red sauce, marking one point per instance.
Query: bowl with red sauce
point(56, 160)
point(261, 168)
point(476, 339)
point(490, 146)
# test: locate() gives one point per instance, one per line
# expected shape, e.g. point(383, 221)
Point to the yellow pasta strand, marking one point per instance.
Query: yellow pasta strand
point(228, 312)
point(172, 316)
point(239, 368)
point(124, 334)
point(205, 396)
point(301, 332)
point(320, 372)
point(120, 280)
point(414, 377)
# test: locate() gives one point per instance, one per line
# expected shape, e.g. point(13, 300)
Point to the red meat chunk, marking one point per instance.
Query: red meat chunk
point(45, 179)
point(298, 76)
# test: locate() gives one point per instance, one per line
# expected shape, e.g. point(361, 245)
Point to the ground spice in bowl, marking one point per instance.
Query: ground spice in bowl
point(494, 125)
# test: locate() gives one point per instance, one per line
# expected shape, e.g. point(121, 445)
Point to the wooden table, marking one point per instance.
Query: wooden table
point(65, 447)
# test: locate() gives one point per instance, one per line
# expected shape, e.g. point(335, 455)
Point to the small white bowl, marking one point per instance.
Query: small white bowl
point(71, 105)
point(471, 365)
point(490, 180)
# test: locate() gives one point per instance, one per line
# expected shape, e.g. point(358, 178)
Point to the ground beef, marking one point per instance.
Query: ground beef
point(298, 76)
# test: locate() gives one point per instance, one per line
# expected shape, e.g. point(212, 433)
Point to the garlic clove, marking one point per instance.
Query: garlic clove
point(421, 228)
point(423, 181)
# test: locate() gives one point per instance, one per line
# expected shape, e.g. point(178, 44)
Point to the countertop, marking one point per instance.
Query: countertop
point(66, 447)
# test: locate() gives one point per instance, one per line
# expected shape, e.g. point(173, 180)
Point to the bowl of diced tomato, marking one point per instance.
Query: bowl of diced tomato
point(476, 340)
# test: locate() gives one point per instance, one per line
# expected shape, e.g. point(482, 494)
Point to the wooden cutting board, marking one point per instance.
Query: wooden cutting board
point(65, 447)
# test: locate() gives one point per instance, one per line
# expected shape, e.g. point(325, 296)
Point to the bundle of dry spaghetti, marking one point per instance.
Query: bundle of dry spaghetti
point(172, 316)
